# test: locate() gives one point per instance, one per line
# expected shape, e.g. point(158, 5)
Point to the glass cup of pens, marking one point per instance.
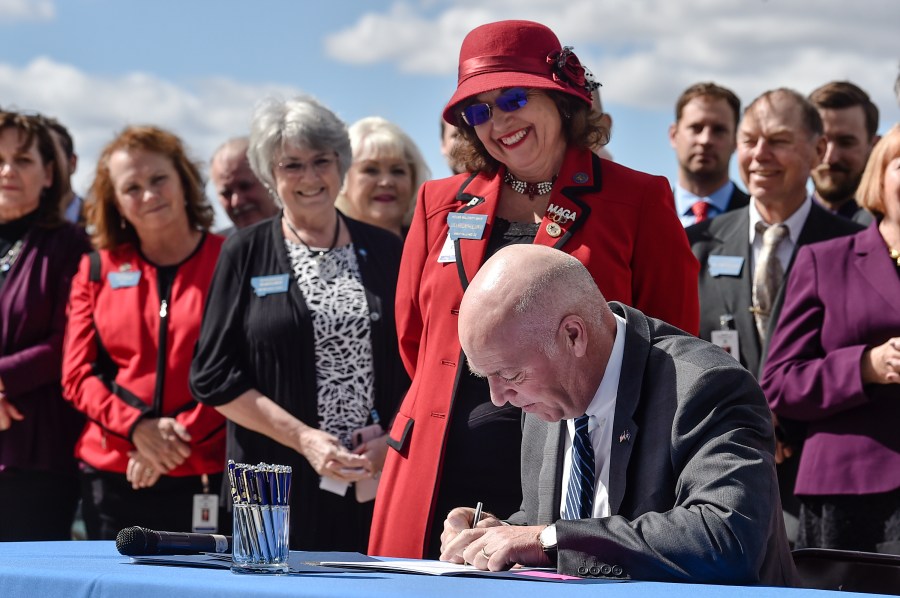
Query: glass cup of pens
point(261, 517)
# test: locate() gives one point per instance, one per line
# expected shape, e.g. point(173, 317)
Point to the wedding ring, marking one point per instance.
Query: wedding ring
point(484, 552)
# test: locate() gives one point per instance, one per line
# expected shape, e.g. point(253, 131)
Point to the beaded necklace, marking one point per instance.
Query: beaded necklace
point(529, 189)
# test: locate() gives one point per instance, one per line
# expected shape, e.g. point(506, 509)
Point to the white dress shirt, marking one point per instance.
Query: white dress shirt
point(786, 248)
point(602, 409)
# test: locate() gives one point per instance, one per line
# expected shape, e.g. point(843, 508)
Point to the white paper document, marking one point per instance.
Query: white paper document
point(426, 567)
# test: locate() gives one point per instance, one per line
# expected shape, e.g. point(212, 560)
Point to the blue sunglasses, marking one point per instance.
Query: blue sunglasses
point(508, 101)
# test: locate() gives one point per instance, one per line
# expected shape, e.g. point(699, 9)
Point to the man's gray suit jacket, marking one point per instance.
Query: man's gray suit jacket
point(692, 489)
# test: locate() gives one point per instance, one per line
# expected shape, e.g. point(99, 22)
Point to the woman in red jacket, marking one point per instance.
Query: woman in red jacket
point(134, 317)
point(523, 108)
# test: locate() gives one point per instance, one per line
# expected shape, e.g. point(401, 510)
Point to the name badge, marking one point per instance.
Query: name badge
point(205, 516)
point(124, 280)
point(269, 285)
point(448, 252)
point(725, 265)
point(466, 226)
point(728, 340)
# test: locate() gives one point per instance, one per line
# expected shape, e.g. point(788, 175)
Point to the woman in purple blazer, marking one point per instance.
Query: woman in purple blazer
point(834, 363)
point(39, 253)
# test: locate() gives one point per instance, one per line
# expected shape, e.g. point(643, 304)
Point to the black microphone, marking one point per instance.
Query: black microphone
point(140, 541)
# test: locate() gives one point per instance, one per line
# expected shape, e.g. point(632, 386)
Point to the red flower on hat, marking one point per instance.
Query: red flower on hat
point(567, 68)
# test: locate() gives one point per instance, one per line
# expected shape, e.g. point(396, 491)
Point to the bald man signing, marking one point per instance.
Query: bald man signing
point(646, 454)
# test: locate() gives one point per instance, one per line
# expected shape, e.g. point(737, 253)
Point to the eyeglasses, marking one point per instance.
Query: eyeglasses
point(294, 169)
point(508, 101)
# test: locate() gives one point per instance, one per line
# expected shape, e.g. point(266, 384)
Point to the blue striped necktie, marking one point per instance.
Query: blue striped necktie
point(580, 496)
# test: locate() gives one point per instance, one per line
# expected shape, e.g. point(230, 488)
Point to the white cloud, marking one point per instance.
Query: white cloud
point(26, 10)
point(647, 51)
point(96, 108)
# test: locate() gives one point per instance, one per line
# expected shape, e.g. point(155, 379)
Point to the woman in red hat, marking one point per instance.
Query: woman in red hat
point(523, 108)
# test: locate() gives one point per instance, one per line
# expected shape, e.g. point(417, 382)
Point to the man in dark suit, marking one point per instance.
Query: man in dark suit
point(706, 116)
point(779, 141)
point(681, 467)
point(850, 119)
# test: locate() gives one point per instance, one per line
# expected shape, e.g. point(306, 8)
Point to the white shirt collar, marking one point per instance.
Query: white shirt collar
point(609, 386)
point(794, 222)
point(602, 410)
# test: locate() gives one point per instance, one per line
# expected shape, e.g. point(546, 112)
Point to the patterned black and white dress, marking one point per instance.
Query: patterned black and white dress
point(345, 377)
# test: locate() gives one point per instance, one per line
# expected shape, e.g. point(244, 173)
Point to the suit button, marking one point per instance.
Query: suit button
point(605, 569)
point(582, 570)
point(617, 570)
point(595, 571)
point(374, 316)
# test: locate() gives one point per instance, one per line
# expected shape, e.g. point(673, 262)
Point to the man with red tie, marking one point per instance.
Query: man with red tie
point(703, 137)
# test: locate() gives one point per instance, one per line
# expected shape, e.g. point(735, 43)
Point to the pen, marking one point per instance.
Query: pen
point(477, 517)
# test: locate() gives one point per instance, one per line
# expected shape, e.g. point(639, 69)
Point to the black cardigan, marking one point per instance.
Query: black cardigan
point(267, 343)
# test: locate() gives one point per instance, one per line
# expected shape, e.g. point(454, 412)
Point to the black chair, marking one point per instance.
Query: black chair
point(848, 570)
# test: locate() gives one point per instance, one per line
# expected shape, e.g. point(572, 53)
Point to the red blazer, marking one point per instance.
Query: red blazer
point(620, 223)
point(111, 367)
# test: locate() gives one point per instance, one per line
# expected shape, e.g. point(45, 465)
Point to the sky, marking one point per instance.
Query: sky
point(198, 67)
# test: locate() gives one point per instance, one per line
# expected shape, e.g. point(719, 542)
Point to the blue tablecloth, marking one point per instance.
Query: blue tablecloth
point(74, 569)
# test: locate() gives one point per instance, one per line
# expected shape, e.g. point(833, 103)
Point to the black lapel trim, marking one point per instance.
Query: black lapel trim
point(462, 196)
point(573, 193)
point(460, 267)
point(398, 444)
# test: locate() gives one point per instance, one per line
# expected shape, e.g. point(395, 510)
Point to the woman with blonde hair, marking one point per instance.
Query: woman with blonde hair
point(387, 170)
point(834, 364)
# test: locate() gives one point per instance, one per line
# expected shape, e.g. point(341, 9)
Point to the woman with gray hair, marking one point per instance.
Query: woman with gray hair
point(298, 347)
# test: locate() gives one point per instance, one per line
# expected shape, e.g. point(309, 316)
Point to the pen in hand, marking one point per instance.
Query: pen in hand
point(477, 517)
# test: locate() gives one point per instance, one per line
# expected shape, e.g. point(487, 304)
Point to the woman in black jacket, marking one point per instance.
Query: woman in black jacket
point(298, 347)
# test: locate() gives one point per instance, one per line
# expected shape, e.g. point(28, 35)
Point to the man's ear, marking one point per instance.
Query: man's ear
point(575, 333)
point(820, 148)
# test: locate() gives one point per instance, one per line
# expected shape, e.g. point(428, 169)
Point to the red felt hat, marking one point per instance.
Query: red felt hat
point(515, 54)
